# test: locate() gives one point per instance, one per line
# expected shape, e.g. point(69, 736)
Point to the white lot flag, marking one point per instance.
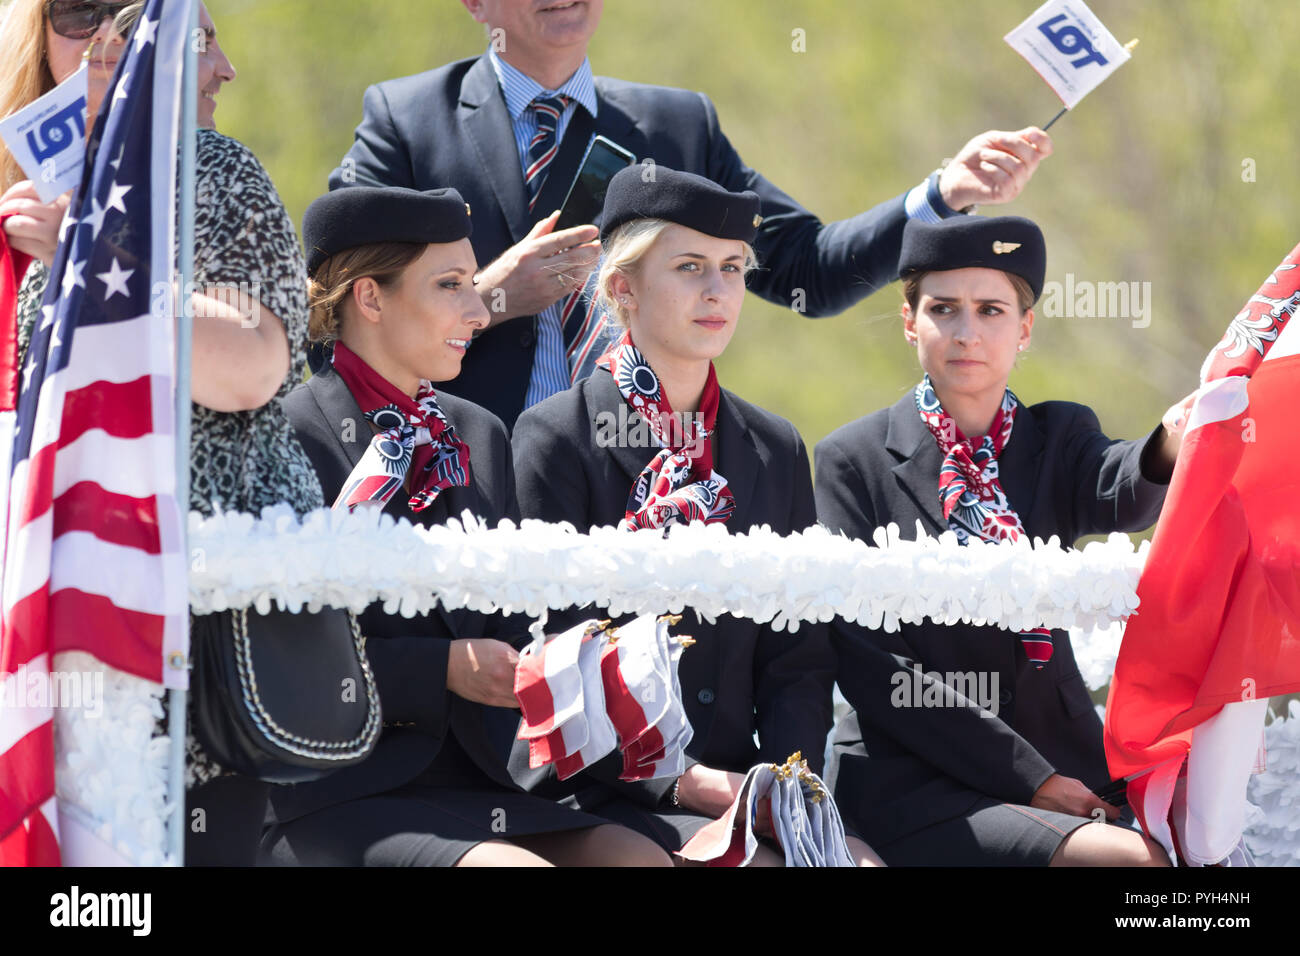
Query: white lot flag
point(1069, 47)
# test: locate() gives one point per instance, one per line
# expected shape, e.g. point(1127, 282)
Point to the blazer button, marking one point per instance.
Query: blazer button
point(1005, 696)
point(705, 696)
point(526, 338)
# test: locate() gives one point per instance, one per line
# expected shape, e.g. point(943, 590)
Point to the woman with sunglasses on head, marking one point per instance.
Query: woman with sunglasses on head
point(1011, 778)
point(677, 248)
point(247, 263)
point(392, 286)
point(45, 43)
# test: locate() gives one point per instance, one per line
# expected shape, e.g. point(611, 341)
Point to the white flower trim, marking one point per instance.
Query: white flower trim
point(330, 558)
point(108, 765)
point(1273, 828)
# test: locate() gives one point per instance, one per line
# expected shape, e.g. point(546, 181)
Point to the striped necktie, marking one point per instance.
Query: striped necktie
point(544, 144)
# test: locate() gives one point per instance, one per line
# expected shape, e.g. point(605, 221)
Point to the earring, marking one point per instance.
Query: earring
point(1020, 348)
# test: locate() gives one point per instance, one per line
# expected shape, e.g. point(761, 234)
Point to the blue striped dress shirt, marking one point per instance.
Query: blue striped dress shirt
point(550, 363)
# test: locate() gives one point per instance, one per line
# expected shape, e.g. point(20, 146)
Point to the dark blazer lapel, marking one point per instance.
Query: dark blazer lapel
point(1019, 462)
point(339, 408)
point(917, 472)
point(736, 458)
point(486, 122)
point(604, 398)
point(612, 121)
point(342, 414)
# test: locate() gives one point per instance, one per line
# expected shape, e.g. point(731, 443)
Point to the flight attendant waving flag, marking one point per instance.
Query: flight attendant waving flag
point(1218, 628)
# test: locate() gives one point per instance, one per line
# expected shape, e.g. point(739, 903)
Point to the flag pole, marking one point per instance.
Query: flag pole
point(176, 711)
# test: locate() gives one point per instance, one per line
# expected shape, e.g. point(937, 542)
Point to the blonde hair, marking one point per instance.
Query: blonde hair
point(332, 281)
point(24, 70)
point(624, 251)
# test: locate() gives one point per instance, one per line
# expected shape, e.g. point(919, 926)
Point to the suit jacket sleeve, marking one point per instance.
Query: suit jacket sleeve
point(964, 741)
point(835, 265)
point(1113, 490)
point(379, 156)
point(794, 673)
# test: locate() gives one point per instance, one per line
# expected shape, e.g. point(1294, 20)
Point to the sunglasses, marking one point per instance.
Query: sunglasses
point(80, 19)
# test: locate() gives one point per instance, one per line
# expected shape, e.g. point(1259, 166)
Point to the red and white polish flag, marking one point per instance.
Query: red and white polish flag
point(600, 733)
point(548, 687)
point(1219, 615)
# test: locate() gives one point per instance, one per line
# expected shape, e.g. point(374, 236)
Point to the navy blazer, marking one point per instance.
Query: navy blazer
point(409, 656)
point(898, 769)
point(740, 676)
point(450, 127)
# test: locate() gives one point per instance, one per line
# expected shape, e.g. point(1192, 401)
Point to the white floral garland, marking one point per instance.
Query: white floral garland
point(350, 560)
point(1273, 828)
point(111, 769)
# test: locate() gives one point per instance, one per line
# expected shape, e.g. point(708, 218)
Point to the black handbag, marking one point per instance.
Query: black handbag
point(284, 698)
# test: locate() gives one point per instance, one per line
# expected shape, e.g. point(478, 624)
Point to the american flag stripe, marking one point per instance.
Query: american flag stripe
point(122, 409)
point(96, 410)
point(13, 689)
point(34, 842)
point(118, 519)
point(119, 465)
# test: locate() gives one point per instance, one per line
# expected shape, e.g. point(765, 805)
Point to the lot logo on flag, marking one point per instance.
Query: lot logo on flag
point(1069, 47)
point(48, 138)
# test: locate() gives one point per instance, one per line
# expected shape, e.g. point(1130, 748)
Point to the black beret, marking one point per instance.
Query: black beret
point(657, 192)
point(362, 215)
point(1008, 243)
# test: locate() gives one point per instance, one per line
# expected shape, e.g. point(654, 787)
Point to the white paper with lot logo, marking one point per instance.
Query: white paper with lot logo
point(1069, 47)
point(48, 138)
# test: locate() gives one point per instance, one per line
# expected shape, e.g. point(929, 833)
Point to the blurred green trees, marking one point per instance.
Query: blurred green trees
point(1180, 170)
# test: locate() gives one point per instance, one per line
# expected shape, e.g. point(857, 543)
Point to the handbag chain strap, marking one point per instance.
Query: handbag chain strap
point(305, 747)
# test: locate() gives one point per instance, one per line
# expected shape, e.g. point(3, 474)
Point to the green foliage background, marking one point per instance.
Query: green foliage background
point(1146, 183)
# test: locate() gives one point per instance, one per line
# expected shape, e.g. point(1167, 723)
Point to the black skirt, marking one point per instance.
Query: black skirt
point(433, 820)
point(991, 833)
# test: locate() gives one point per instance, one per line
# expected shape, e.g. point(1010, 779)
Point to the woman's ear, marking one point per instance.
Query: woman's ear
point(909, 324)
point(1026, 329)
point(368, 299)
point(621, 290)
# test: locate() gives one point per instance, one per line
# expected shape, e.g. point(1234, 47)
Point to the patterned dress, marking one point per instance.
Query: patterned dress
point(239, 461)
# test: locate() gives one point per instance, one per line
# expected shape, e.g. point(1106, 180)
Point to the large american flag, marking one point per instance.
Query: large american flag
point(93, 556)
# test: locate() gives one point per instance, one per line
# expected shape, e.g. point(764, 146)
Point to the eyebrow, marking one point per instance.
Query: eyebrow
point(950, 298)
point(458, 270)
point(696, 255)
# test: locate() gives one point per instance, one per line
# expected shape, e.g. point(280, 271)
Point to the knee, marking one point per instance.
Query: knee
point(628, 848)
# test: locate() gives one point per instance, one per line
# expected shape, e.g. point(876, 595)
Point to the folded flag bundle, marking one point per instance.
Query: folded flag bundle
point(805, 821)
point(595, 688)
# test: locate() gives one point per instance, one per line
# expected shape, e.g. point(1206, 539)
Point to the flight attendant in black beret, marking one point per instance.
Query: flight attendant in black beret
point(650, 441)
point(391, 284)
point(1012, 782)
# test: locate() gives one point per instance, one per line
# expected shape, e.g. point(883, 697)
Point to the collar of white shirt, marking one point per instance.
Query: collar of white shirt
point(520, 89)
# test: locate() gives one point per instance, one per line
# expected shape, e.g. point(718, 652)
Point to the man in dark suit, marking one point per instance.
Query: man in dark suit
point(509, 130)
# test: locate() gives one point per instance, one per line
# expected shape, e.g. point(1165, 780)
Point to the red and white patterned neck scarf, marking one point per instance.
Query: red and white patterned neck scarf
point(416, 445)
point(679, 485)
point(970, 494)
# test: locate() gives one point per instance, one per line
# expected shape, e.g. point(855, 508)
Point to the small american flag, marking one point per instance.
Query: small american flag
point(93, 557)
